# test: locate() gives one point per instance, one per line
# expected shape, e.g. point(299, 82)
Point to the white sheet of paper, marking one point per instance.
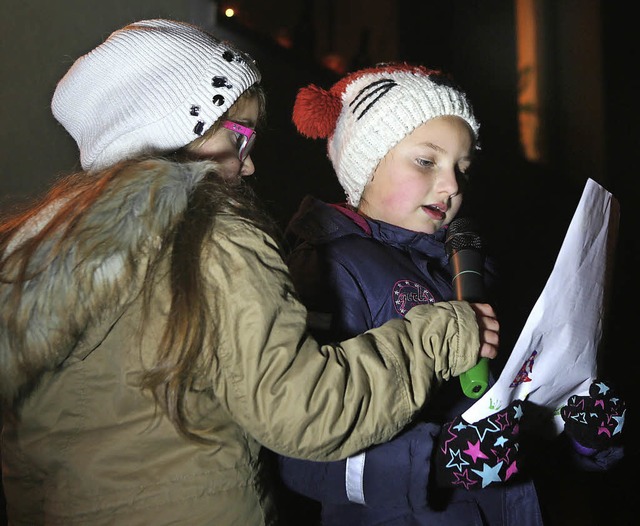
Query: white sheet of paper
point(555, 354)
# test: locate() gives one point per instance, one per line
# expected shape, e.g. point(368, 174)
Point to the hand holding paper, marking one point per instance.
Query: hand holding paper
point(594, 422)
point(473, 456)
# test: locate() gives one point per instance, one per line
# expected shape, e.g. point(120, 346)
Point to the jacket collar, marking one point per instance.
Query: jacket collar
point(318, 222)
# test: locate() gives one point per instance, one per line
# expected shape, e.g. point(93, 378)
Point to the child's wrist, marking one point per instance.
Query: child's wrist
point(583, 450)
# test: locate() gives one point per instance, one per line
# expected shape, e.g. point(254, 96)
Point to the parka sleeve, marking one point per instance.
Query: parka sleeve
point(303, 399)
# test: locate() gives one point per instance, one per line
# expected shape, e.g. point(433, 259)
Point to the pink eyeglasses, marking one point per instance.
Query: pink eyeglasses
point(246, 138)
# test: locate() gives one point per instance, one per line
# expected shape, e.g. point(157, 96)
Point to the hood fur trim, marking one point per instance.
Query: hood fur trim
point(99, 272)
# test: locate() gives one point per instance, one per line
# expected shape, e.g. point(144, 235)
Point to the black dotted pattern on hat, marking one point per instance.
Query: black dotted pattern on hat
point(219, 82)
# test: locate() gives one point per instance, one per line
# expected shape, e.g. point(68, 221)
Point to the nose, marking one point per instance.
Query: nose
point(447, 181)
point(248, 168)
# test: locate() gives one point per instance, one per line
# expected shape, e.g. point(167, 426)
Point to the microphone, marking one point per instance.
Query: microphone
point(464, 248)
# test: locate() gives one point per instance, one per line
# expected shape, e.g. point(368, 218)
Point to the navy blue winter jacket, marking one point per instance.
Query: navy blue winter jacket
point(354, 274)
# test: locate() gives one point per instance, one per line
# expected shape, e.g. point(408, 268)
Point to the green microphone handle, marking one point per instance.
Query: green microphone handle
point(475, 381)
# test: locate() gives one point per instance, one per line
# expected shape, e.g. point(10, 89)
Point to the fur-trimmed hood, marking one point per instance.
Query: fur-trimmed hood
point(98, 273)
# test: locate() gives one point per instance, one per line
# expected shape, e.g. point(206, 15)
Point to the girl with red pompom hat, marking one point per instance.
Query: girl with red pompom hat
point(402, 140)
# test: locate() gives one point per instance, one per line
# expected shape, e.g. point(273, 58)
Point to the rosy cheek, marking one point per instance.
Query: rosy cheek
point(392, 204)
point(400, 193)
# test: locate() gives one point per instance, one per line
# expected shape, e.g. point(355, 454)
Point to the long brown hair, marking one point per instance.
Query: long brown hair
point(183, 344)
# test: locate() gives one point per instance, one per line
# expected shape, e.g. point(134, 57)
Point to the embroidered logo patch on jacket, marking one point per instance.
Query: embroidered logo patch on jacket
point(407, 294)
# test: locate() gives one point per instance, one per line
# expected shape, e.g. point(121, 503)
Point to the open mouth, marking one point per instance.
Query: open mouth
point(435, 212)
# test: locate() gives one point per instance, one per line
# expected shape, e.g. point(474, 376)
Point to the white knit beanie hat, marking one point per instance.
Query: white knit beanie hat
point(368, 112)
point(152, 87)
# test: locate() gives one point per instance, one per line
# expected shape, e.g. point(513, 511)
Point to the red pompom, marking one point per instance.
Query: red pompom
point(315, 112)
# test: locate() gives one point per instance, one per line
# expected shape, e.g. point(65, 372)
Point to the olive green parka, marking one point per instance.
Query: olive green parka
point(82, 443)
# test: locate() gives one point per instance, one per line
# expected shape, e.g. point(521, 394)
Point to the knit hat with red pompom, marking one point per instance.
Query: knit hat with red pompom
point(368, 112)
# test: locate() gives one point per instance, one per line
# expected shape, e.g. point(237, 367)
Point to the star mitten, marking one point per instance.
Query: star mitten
point(594, 422)
point(473, 456)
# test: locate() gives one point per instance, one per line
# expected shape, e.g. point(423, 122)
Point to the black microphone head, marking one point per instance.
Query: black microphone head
point(462, 234)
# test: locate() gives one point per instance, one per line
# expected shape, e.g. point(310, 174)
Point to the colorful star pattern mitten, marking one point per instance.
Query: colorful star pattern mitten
point(594, 422)
point(472, 456)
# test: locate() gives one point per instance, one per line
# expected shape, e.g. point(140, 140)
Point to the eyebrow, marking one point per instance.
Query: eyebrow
point(245, 122)
point(439, 149)
point(435, 147)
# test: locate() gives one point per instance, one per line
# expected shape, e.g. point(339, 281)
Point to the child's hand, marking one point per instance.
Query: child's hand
point(594, 422)
point(489, 329)
point(472, 456)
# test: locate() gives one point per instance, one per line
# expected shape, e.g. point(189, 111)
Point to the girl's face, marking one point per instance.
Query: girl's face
point(223, 145)
point(418, 184)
